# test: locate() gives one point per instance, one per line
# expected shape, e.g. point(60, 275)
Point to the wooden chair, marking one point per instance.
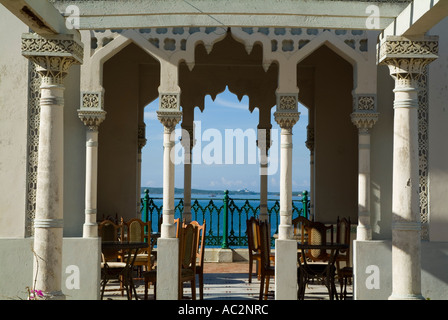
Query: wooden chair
point(187, 258)
point(299, 225)
point(343, 236)
point(267, 271)
point(253, 240)
point(135, 230)
point(317, 234)
point(200, 255)
point(111, 260)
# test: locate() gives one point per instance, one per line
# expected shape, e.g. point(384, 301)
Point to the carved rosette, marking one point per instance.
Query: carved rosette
point(407, 58)
point(91, 112)
point(53, 55)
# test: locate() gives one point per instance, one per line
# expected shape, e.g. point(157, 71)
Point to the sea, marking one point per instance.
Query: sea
point(242, 208)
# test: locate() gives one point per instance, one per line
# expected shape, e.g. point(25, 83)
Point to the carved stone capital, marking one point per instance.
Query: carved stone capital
point(310, 138)
point(91, 110)
point(141, 139)
point(92, 118)
point(53, 55)
point(169, 119)
point(286, 120)
point(364, 121)
point(407, 58)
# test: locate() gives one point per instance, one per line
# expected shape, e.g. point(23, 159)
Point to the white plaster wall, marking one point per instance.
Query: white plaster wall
point(438, 142)
point(81, 255)
point(373, 264)
point(13, 126)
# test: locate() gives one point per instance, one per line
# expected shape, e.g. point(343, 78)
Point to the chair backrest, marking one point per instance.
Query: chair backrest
point(110, 231)
point(187, 251)
point(317, 234)
point(137, 230)
point(299, 225)
point(200, 242)
point(343, 235)
point(265, 244)
point(253, 235)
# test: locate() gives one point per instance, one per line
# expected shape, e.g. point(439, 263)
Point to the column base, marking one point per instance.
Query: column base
point(285, 269)
point(55, 295)
point(167, 268)
point(396, 296)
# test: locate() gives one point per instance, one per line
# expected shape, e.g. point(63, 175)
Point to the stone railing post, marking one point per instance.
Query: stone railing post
point(53, 56)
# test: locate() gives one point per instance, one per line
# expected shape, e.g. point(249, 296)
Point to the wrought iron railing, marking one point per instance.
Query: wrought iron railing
point(225, 218)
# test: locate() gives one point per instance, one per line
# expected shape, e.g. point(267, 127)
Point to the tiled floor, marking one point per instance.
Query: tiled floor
point(229, 281)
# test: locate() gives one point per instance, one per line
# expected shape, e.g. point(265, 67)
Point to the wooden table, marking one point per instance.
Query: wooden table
point(129, 252)
point(324, 270)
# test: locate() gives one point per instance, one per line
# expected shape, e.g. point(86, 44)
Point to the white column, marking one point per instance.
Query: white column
point(168, 244)
point(264, 143)
point(91, 114)
point(285, 246)
point(364, 118)
point(187, 144)
point(141, 143)
point(310, 145)
point(48, 223)
point(406, 67)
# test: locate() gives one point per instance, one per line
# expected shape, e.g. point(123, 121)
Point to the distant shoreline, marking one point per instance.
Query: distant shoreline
point(153, 190)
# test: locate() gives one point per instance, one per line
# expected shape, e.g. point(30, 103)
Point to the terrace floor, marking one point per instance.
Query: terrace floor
point(229, 281)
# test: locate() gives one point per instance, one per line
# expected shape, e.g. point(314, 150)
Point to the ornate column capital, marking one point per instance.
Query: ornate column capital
point(169, 113)
point(91, 111)
point(141, 136)
point(364, 121)
point(310, 138)
point(407, 57)
point(52, 54)
point(287, 110)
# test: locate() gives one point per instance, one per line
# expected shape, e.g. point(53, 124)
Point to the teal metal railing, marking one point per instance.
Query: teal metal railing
point(225, 218)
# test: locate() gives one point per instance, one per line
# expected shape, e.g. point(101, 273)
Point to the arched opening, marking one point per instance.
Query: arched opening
point(325, 80)
point(131, 80)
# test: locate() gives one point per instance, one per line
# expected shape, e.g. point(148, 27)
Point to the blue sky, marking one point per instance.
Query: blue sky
point(226, 112)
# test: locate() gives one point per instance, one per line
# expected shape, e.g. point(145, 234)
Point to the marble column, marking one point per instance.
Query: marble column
point(364, 118)
point(53, 56)
point(310, 145)
point(168, 245)
point(141, 141)
point(91, 114)
point(406, 58)
point(264, 143)
point(188, 144)
point(285, 246)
